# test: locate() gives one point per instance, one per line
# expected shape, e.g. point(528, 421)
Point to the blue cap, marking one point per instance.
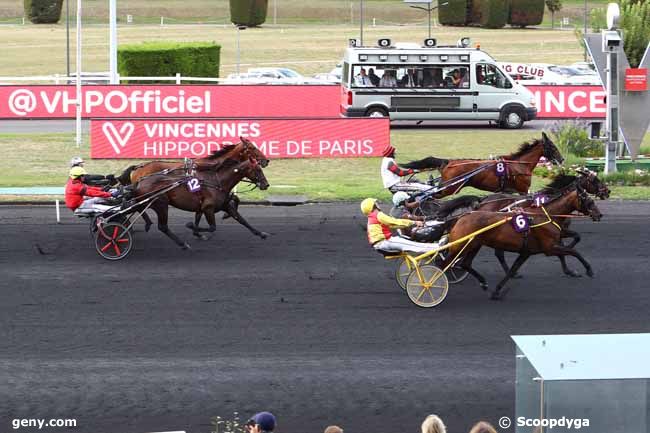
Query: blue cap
point(265, 420)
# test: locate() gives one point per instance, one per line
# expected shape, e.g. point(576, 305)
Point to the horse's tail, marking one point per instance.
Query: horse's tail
point(125, 177)
point(429, 162)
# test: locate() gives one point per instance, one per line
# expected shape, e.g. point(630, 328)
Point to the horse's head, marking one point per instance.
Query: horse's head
point(253, 152)
point(551, 152)
point(589, 181)
point(586, 205)
point(252, 170)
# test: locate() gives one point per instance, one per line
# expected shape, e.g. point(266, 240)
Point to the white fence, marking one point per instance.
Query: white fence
point(95, 78)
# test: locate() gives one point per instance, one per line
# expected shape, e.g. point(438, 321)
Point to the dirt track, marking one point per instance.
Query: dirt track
point(308, 324)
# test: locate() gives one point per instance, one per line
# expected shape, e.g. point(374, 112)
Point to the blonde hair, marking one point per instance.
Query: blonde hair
point(483, 427)
point(433, 424)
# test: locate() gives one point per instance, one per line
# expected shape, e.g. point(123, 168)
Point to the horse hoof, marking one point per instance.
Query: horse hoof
point(263, 235)
point(190, 226)
point(484, 286)
point(186, 246)
point(495, 296)
point(573, 274)
point(590, 273)
point(147, 226)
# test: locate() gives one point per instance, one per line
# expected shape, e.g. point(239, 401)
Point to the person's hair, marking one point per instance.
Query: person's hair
point(483, 427)
point(333, 429)
point(433, 424)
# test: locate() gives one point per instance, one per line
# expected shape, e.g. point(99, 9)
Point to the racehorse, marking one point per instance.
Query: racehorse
point(511, 172)
point(241, 151)
point(212, 187)
point(586, 179)
point(543, 236)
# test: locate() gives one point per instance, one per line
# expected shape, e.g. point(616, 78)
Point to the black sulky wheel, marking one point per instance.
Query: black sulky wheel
point(113, 241)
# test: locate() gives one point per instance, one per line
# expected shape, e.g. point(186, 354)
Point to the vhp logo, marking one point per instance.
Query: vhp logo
point(118, 138)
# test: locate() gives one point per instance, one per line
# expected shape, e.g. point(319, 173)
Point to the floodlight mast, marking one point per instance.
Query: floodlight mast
point(429, 9)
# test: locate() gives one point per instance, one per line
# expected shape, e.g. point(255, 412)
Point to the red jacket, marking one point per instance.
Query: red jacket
point(76, 190)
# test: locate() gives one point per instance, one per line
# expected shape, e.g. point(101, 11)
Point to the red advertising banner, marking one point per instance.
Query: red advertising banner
point(277, 138)
point(569, 102)
point(126, 101)
point(636, 79)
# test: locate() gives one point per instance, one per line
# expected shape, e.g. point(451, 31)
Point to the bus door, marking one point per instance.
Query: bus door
point(493, 89)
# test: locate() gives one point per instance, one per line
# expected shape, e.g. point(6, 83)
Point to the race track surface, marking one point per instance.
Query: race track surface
point(308, 324)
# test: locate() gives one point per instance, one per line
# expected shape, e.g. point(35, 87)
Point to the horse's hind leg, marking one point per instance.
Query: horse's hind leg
point(498, 294)
point(466, 262)
point(147, 221)
point(162, 213)
point(501, 256)
point(559, 250)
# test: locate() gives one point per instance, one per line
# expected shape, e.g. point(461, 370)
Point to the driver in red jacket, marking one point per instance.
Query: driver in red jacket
point(76, 193)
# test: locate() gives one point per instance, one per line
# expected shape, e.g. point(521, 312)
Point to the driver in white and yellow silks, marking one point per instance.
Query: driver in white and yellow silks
point(380, 235)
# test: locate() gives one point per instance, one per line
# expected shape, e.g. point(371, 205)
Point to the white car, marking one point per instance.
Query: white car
point(284, 76)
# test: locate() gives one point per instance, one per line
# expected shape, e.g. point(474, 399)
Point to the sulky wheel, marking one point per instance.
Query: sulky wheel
point(113, 241)
point(428, 287)
point(402, 272)
point(455, 274)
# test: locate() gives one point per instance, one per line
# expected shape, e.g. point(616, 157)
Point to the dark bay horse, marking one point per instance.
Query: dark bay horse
point(587, 180)
point(511, 172)
point(212, 195)
point(243, 150)
point(543, 237)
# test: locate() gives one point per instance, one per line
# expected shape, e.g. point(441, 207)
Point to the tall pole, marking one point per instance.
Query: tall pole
point(429, 10)
point(112, 55)
point(361, 22)
point(67, 37)
point(585, 32)
point(78, 83)
point(275, 12)
point(612, 111)
point(238, 55)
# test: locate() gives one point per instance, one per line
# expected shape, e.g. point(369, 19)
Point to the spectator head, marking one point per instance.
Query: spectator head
point(433, 424)
point(371, 71)
point(261, 422)
point(335, 428)
point(483, 427)
point(363, 71)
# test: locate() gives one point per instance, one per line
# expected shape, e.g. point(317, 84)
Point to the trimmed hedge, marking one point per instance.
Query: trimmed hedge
point(494, 13)
point(250, 13)
point(526, 12)
point(43, 11)
point(165, 59)
point(454, 13)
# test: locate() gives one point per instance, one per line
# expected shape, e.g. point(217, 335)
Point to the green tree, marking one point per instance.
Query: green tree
point(635, 23)
point(553, 6)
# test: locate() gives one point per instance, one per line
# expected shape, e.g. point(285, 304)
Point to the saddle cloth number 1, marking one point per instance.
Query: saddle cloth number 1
point(194, 185)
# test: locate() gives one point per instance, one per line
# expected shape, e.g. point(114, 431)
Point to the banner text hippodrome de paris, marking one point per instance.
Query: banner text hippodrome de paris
point(277, 138)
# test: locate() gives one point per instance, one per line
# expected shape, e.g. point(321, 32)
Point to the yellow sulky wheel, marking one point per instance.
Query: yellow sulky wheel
point(427, 286)
point(402, 272)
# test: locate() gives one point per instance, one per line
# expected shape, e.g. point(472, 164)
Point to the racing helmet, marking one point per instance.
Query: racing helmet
point(388, 151)
point(367, 205)
point(399, 197)
point(76, 161)
point(76, 172)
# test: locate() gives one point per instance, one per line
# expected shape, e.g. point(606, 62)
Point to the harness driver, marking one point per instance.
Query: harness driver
point(83, 197)
point(93, 179)
point(391, 174)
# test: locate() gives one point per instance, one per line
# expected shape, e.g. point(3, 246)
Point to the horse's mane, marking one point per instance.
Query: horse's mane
point(524, 148)
point(218, 153)
point(228, 163)
point(559, 182)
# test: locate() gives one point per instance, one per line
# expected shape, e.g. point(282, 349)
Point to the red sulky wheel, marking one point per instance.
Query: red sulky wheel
point(113, 241)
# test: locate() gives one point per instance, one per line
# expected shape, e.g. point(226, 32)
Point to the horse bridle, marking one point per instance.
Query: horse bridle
point(549, 147)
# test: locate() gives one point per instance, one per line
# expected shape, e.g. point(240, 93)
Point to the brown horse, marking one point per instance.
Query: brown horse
point(212, 190)
point(544, 235)
point(587, 180)
point(511, 172)
point(242, 151)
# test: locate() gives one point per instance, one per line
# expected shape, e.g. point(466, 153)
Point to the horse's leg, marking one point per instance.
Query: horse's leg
point(195, 226)
point(466, 262)
point(521, 259)
point(234, 199)
point(571, 234)
point(147, 221)
point(560, 250)
point(162, 211)
point(233, 212)
point(501, 256)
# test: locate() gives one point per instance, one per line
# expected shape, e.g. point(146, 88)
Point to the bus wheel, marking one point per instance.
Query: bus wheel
point(512, 119)
point(376, 112)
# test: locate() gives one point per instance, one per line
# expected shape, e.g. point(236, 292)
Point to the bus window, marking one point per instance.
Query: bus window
point(345, 73)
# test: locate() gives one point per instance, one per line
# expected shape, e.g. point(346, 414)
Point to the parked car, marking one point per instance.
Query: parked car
point(285, 76)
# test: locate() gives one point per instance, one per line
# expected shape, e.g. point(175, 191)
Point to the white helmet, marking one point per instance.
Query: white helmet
point(399, 197)
point(76, 161)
